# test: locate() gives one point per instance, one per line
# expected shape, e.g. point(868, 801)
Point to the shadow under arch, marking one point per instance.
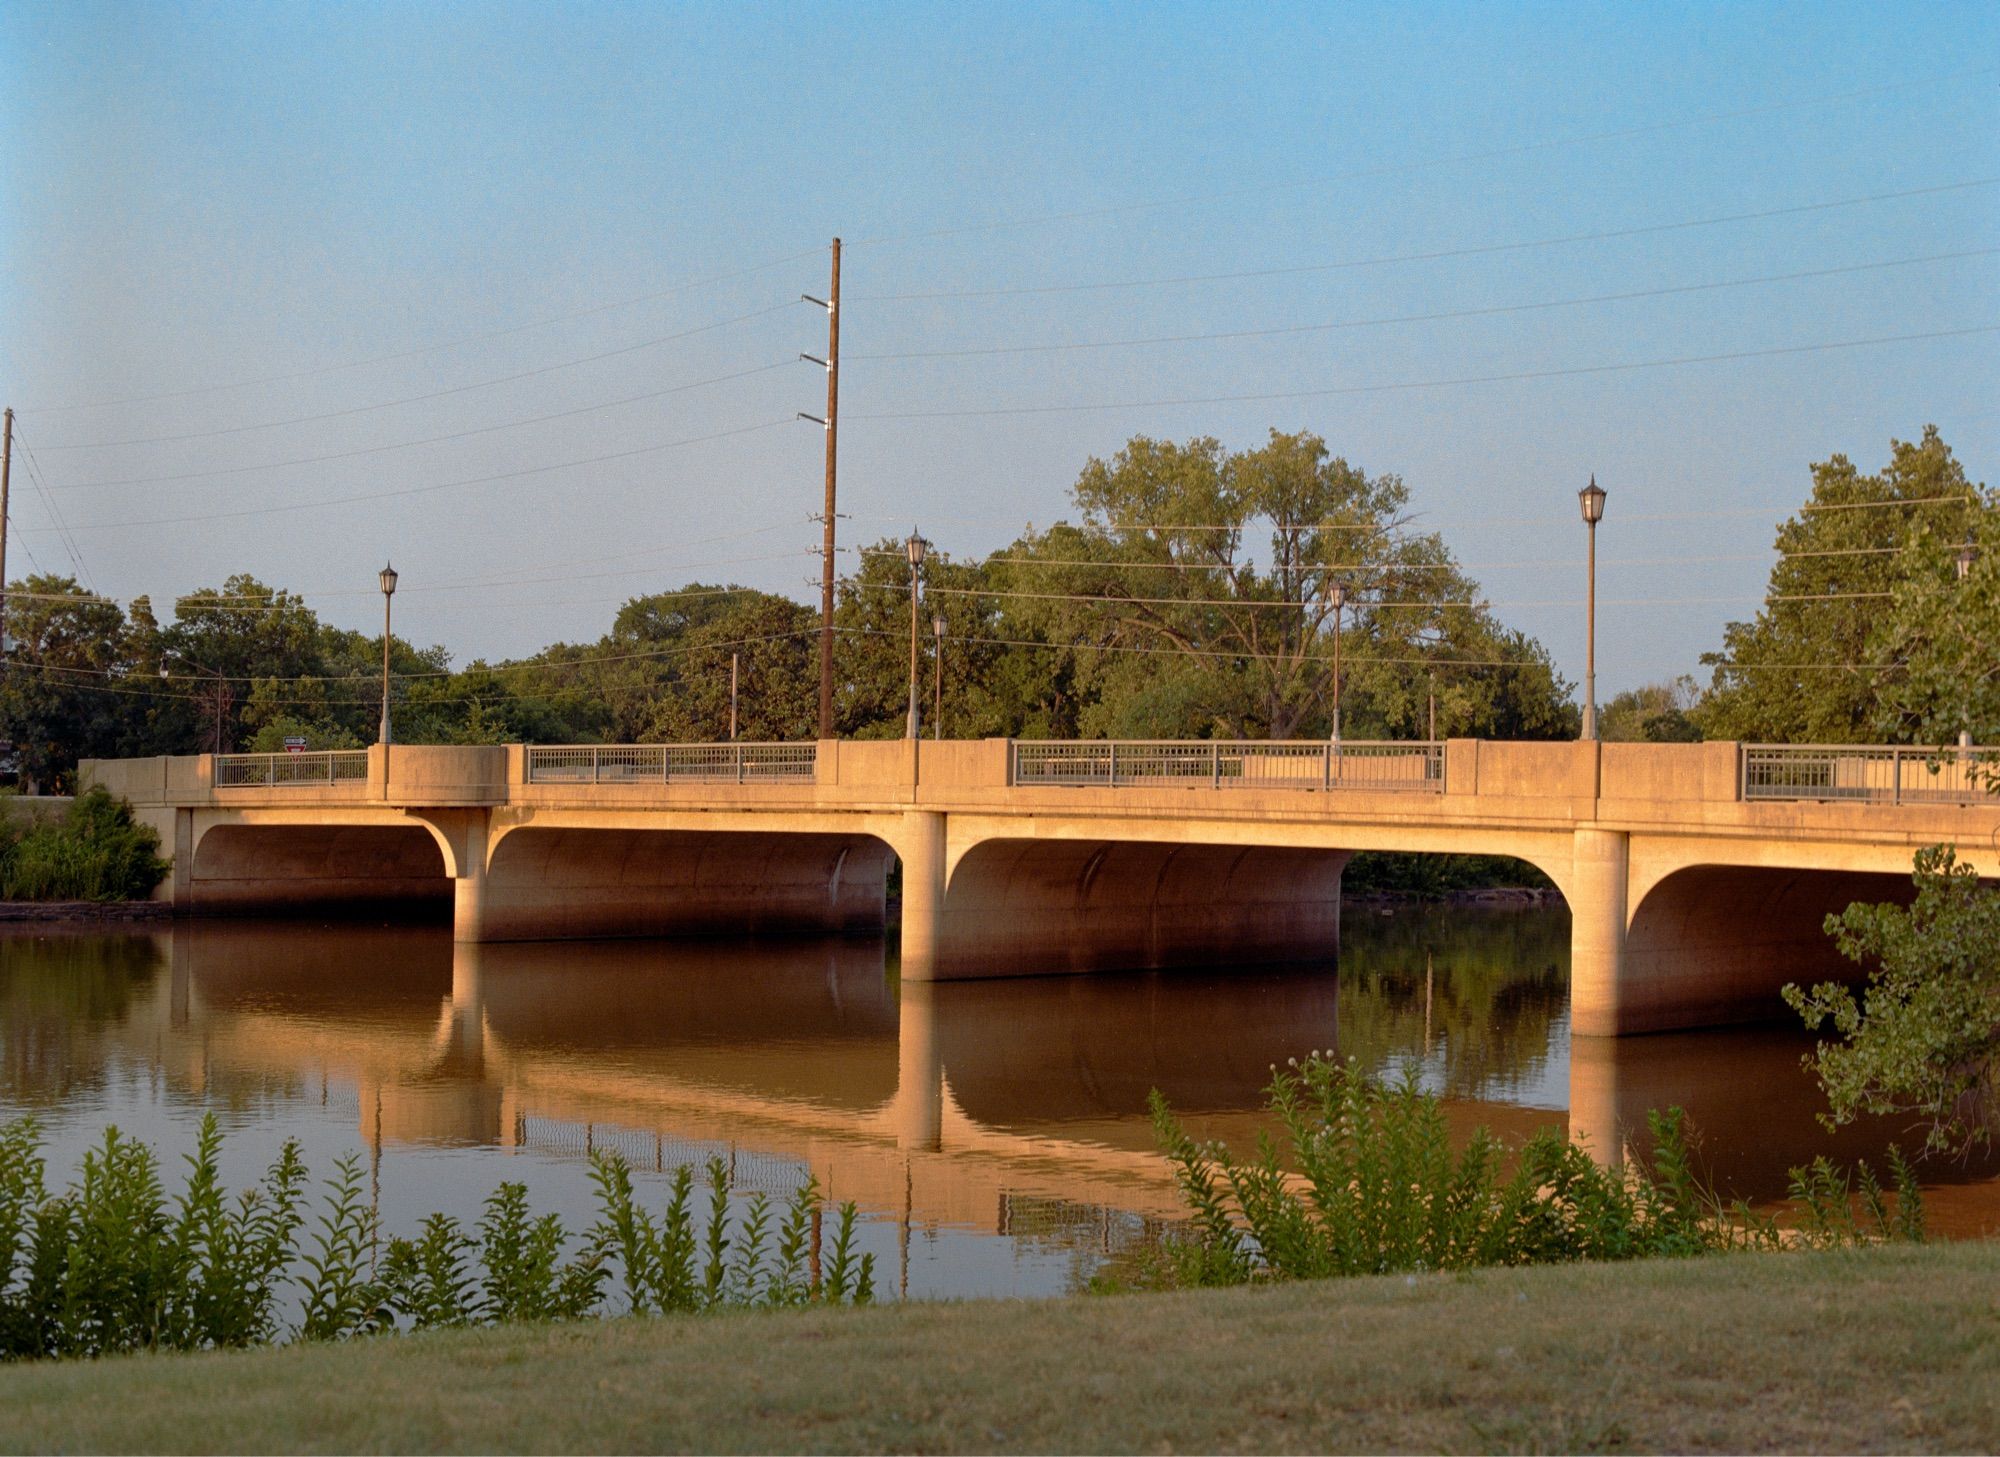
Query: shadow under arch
point(1015, 907)
point(1709, 945)
point(561, 883)
point(261, 869)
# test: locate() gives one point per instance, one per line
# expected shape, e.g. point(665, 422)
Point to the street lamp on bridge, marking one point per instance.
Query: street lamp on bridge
point(937, 672)
point(388, 580)
point(915, 548)
point(1336, 598)
point(1591, 499)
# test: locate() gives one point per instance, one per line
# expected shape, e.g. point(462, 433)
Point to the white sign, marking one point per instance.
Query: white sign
point(294, 744)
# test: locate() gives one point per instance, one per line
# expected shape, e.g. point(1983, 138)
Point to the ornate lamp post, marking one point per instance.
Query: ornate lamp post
point(1591, 499)
point(1336, 598)
point(915, 548)
point(388, 580)
point(937, 671)
point(1962, 560)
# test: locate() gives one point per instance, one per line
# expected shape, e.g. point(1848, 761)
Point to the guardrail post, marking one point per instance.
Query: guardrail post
point(1215, 763)
point(1326, 767)
point(593, 766)
point(1114, 764)
point(1896, 768)
point(738, 748)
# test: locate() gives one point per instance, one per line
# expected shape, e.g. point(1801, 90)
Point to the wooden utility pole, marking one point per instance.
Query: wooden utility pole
point(6, 466)
point(732, 697)
point(827, 520)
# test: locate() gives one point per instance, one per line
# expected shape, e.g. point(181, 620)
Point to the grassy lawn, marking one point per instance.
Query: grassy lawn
point(1888, 1349)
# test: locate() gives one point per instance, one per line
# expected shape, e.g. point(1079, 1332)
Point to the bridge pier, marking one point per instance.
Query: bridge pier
point(1601, 868)
point(922, 851)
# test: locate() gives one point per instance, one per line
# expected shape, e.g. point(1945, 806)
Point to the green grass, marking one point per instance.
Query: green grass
point(1890, 1348)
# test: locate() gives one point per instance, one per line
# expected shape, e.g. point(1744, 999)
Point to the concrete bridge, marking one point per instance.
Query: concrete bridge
point(1697, 875)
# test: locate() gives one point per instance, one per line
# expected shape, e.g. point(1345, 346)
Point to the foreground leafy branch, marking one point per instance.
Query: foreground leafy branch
point(1923, 1038)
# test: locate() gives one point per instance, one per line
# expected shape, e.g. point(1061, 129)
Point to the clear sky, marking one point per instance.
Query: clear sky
point(287, 232)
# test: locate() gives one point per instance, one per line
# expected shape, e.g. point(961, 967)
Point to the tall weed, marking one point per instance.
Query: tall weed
point(112, 1264)
point(1367, 1182)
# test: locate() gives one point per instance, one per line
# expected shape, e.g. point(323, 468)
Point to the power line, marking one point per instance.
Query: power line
point(1431, 255)
point(1393, 169)
point(214, 473)
point(1389, 319)
point(1484, 604)
point(322, 502)
point(431, 348)
point(424, 398)
point(1516, 376)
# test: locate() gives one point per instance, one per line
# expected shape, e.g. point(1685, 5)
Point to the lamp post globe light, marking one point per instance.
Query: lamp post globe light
point(915, 548)
point(1336, 598)
point(388, 581)
point(1591, 499)
point(937, 676)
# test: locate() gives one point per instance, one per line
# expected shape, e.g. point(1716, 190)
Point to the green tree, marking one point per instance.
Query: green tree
point(1658, 713)
point(1941, 635)
point(1181, 629)
point(1805, 669)
point(1923, 1038)
point(65, 693)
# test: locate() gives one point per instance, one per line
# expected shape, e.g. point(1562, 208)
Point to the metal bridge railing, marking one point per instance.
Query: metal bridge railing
point(671, 763)
point(257, 771)
point(1228, 764)
point(1870, 773)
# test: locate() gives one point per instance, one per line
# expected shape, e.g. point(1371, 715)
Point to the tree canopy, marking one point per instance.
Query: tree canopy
point(1866, 633)
point(1190, 597)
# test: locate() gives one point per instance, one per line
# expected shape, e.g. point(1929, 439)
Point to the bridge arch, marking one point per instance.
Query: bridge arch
point(549, 882)
point(1015, 906)
point(253, 866)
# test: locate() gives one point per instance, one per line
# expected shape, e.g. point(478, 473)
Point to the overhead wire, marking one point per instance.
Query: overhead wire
point(433, 348)
point(1395, 168)
point(187, 518)
point(1472, 250)
point(219, 471)
point(1069, 346)
point(1365, 389)
point(441, 395)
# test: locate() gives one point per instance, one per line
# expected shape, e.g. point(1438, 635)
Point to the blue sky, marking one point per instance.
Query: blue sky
point(275, 199)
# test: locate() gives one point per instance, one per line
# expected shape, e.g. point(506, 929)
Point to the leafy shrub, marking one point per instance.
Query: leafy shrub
point(112, 1264)
point(96, 851)
point(1372, 1185)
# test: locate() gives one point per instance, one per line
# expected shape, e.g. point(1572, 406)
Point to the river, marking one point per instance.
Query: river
point(993, 1134)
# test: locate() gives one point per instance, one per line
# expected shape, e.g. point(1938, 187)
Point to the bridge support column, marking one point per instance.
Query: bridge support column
point(922, 848)
point(468, 889)
point(1597, 932)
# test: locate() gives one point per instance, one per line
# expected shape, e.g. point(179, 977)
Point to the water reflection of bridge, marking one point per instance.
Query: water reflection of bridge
point(957, 1104)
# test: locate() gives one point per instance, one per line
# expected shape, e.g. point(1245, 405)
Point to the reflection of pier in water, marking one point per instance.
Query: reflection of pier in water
point(951, 1104)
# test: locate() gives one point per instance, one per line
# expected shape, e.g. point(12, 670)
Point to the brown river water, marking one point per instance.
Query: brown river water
point(993, 1134)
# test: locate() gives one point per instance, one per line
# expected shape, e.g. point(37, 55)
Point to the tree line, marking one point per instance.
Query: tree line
point(1189, 598)
point(1190, 595)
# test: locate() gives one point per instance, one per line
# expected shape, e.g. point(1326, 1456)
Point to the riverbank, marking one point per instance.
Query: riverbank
point(1891, 1348)
point(84, 912)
